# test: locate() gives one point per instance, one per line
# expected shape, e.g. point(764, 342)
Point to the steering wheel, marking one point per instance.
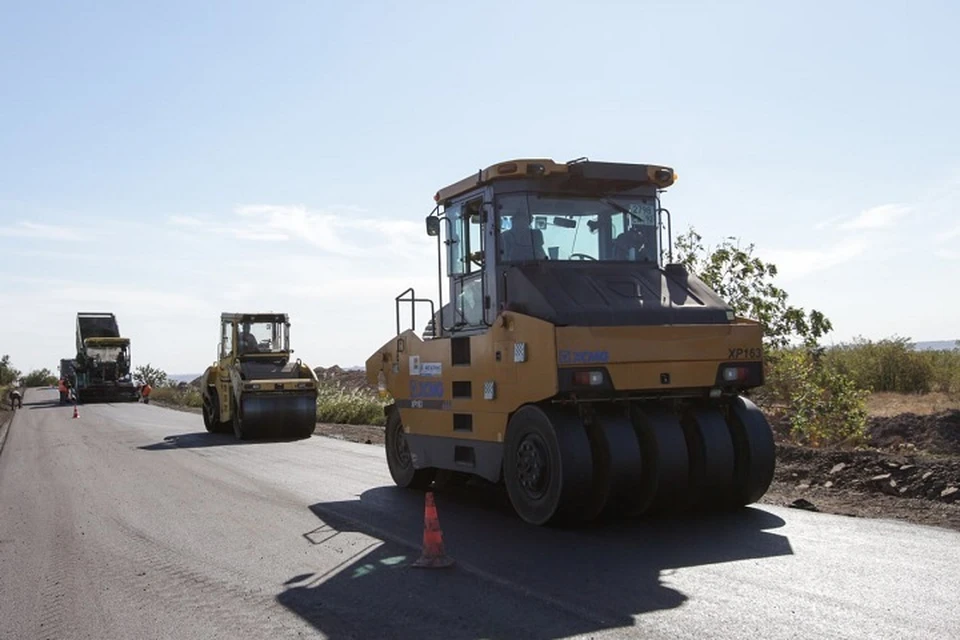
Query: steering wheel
point(582, 256)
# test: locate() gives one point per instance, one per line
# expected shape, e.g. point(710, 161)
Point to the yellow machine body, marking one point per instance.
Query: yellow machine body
point(255, 390)
point(573, 361)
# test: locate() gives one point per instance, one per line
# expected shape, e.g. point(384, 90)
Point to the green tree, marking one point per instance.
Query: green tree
point(147, 373)
point(39, 378)
point(8, 374)
point(745, 282)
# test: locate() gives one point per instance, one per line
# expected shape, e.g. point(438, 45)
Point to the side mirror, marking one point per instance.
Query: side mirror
point(433, 226)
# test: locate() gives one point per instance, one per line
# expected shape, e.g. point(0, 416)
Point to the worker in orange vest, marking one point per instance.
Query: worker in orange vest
point(145, 392)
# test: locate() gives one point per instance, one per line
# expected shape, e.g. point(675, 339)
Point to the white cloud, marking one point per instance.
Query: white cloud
point(244, 233)
point(947, 254)
point(335, 270)
point(370, 287)
point(949, 234)
point(140, 301)
point(26, 229)
point(340, 234)
point(826, 224)
point(186, 221)
point(347, 232)
point(877, 218)
point(803, 262)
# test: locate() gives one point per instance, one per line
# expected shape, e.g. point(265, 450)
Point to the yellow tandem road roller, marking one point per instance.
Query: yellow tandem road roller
point(574, 362)
point(255, 390)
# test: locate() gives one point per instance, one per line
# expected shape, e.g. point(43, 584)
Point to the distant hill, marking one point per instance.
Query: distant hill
point(936, 345)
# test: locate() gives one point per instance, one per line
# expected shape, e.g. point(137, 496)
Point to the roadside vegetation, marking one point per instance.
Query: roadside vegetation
point(8, 373)
point(178, 396)
point(820, 395)
point(348, 406)
point(39, 378)
point(892, 365)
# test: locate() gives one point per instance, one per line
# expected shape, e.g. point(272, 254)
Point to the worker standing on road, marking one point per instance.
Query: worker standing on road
point(16, 400)
point(145, 392)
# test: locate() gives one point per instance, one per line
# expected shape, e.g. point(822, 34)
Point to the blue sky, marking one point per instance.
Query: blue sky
point(169, 161)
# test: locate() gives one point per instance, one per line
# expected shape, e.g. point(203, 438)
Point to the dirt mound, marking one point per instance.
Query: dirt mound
point(937, 433)
point(346, 379)
point(905, 476)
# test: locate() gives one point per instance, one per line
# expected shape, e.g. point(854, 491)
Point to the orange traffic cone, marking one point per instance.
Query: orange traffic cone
point(433, 556)
point(76, 412)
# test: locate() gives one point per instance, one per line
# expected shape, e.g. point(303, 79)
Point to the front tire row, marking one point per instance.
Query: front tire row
point(647, 458)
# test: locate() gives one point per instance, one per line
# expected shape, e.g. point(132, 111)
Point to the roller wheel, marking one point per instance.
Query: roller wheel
point(305, 432)
point(712, 459)
point(665, 460)
point(617, 466)
point(211, 412)
point(241, 431)
point(547, 465)
point(754, 449)
point(399, 459)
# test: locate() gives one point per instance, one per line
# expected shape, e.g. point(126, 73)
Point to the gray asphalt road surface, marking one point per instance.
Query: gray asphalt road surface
point(133, 522)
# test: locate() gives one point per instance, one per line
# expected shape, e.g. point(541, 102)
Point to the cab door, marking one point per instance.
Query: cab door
point(467, 257)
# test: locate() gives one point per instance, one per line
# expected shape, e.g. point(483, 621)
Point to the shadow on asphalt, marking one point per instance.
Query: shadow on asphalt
point(45, 404)
point(585, 580)
point(203, 439)
point(48, 404)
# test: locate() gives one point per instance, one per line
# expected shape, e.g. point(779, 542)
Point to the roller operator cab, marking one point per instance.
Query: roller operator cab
point(569, 358)
point(254, 390)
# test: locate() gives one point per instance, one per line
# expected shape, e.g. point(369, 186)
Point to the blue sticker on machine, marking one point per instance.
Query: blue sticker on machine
point(426, 389)
point(583, 357)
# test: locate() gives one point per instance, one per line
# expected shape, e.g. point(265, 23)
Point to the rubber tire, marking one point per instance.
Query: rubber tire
point(712, 458)
point(617, 464)
point(665, 461)
point(302, 433)
point(569, 465)
point(754, 449)
point(403, 472)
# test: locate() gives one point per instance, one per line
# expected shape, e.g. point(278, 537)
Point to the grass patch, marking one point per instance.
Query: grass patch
point(343, 406)
point(892, 365)
point(886, 404)
point(4, 399)
point(189, 397)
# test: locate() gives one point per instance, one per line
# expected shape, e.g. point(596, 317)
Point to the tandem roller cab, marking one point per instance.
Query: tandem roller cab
point(573, 361)
point(254, 390)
